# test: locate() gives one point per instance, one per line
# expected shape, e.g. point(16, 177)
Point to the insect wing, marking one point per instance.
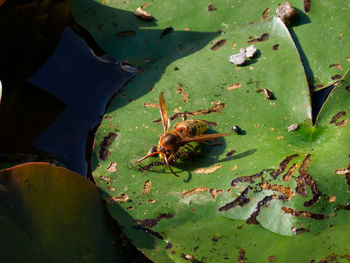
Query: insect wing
point(163, 112)
point(204, 137)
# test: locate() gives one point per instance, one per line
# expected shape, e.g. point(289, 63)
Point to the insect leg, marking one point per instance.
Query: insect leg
point(151, 165)
point(167, 163)
point(149, 155)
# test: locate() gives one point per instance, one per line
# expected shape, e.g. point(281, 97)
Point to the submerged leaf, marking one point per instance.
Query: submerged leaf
point(44, 208)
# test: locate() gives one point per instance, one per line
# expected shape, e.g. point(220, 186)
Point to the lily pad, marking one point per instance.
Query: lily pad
point(169, 217)
point(320, 34)
point(51, 214)
point(282, 179)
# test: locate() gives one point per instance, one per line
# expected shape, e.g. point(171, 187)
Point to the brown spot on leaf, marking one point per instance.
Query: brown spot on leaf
point(105, 143)
point(283, 165)
point(271, 258)
point(112, 167)
point(286, 191)
point(130, 208)
point(234, 86)
point(336, 117)
point(189, 257)
point(263, 37)
point(169, 245)
point(289, 173)
point(147, 187)
point(105, 178)
point(182, 93)
point(152, 105)
point(215, 192)
point(301, 186)
point(276, 47)
point(241, 200)
point(337, 66)
point(126, 33)
point(241, 256)
point(343, 170)
point(194, 191)
point(307, 6)
point(305, 178)
point(342, 123)
point(208, 170)
point(336, 76)
point(299, 231)
point(151, 201)
point(151, 222)
point(333, 258)
point(211, 7)
point(301, 213)
point(121, 198)
point(346, 172)
point(110, 188)
point(218, 44)
point(265, 14)
point(252, 219)
point(331, 198)
point(244, 179)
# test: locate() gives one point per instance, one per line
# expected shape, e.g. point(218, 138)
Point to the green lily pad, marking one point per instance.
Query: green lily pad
point(320, 35)
point(169, 217)
point(49, 213)
point(263, 194)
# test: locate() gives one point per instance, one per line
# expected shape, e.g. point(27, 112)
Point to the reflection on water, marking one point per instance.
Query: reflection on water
point(74, 75)
point(55, 88)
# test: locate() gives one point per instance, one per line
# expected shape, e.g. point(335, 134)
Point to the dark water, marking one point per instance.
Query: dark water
point(55, 89)
point(85, 83)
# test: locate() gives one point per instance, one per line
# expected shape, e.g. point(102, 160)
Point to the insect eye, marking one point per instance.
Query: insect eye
point(169, 139)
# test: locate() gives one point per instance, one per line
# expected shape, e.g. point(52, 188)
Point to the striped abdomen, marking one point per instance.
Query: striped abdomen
point(191, 128)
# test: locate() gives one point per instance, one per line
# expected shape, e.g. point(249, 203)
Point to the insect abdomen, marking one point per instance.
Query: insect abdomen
point(191, 128)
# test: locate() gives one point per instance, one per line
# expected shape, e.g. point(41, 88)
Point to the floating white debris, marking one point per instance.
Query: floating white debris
point(240, 58)
point(250, 51)
point(141, 13)
point(244, 53)
point(293, 127)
